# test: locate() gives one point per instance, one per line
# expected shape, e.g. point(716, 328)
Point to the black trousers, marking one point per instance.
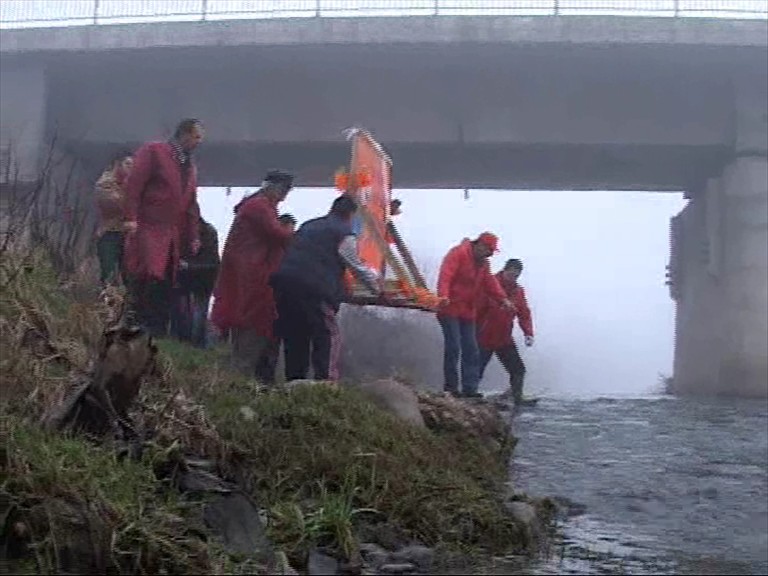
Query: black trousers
point(266, 367)
point(152, 302)
point(309, 331)
point(109, 249)
point(510, 358)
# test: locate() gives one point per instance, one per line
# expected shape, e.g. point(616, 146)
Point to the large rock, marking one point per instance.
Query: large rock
point(523, 513)
point(319, 564)
point(234, 517)
point(395, 398)
point(373, 554)
point(421, 556)
point(403, 568)
point(80, 531)
point(533, 516)
point(473, 418)
point(411, 558)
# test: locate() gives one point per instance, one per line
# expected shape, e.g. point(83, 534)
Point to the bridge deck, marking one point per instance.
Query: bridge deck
point(586, 30)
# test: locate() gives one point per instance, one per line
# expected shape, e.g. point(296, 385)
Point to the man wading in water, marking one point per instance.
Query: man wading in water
point(495, 324)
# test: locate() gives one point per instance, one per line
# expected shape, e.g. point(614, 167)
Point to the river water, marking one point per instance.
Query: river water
point(652, 485)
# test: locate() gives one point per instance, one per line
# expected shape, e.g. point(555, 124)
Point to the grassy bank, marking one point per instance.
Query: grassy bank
point(324, 461)
point(328, 467)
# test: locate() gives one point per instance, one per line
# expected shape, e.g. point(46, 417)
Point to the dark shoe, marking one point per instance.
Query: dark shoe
point(472, 395)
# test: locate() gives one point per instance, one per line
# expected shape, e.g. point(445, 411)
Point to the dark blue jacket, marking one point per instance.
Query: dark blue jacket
point(312, 264)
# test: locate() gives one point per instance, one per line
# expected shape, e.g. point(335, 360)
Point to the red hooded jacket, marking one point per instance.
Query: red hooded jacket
point(494, 323)
point(252, 253)
point(166, 212)
point(462, 279)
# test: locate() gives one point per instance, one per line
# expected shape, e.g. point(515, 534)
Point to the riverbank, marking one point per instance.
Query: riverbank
point(224, 476)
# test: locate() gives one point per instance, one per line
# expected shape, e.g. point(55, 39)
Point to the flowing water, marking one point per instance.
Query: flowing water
point(651, 485)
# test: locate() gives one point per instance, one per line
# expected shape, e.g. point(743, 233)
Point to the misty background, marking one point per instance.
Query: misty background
point(594, 275)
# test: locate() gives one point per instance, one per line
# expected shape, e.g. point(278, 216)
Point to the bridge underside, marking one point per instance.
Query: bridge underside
point(501, 116)
point(418, 165)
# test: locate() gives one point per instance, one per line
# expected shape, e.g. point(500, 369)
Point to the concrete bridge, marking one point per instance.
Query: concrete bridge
point(654, 104)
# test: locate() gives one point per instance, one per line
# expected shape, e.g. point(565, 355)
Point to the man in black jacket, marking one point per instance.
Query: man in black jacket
point(194, 287)
point(309, 289)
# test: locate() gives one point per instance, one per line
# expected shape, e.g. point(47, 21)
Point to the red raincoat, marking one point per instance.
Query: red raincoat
point(494, 323)
point(166, 214)
point(462, 280)
point(252, 253)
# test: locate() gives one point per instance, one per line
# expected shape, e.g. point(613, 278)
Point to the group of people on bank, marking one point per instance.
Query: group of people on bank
point(275, 286)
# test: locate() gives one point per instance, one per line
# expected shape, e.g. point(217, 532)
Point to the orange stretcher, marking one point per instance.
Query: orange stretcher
point(379, 244)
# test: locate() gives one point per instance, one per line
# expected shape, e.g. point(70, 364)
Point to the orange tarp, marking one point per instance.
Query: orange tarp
point(369, 182)
point(374, 194)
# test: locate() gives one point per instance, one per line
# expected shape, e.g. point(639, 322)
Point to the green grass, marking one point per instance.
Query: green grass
point(82, 507)
point(324, 462)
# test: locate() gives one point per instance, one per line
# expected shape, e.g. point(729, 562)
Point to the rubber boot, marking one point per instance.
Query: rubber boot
point(516, 384)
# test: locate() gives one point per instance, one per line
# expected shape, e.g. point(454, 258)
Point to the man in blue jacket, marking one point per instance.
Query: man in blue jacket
point(309, 289)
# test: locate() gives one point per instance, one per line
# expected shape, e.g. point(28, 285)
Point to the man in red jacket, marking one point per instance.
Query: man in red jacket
point(244, 303)
point(494, 328)
point(464, 275)
point(161, 212)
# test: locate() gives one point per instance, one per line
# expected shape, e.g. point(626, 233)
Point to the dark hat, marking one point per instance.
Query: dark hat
point(279, 177)
point(515, 263)
point(344, 205)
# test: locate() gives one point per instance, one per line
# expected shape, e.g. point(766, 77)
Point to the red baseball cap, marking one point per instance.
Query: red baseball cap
point(490, 240)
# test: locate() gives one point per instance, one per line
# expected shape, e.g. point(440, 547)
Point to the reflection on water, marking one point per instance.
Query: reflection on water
point(652, 485)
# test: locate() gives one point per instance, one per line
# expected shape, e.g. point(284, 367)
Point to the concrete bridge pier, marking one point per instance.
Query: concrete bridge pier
point(744, 363)
point(719, 267)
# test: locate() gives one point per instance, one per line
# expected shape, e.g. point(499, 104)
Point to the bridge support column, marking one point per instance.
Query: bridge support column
point(744, 299)
point(696, 287)
point(719, 264)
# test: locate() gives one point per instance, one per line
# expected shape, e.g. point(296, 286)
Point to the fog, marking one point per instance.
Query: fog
point(594, 273)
